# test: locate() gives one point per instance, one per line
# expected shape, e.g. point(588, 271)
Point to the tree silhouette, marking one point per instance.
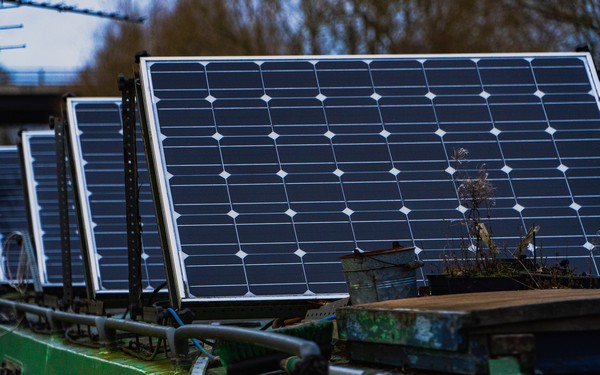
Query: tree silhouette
point(276, 27)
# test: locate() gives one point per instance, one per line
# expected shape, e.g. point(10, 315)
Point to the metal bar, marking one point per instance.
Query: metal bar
point(63, 211)
point(12, 46)
point(32, 263)
point(85, 251)
point(11, 27)
point(132, 199)
point(151, 166)
point(271, 340)
point(61, 7)
point(139, 328)
point(89, 320)
point(177, 338)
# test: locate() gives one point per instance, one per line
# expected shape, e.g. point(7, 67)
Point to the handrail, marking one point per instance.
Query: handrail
point(271, 340)
point(176, 337)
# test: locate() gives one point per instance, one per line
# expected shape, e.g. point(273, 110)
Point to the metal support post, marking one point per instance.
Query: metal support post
point(63, 210)
point(134, 239)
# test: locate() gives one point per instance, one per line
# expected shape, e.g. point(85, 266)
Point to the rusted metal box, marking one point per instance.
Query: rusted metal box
point(381, 275)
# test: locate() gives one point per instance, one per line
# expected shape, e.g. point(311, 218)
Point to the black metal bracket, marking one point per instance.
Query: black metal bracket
point(63, 209)
point(171, 277)
point(134, 238)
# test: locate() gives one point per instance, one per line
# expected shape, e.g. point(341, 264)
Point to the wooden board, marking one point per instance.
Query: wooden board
point(465, 333)
point(438, 322)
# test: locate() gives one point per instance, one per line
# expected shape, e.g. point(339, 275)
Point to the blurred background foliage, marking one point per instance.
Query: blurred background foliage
point(300, 27)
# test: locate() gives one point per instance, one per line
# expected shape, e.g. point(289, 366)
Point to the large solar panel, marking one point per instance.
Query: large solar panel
point(96, 144)
point(12, 209)
point(39, 159)
point(270, 168)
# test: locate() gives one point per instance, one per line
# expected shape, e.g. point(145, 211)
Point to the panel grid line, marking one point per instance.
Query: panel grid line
point(329, 153)
point(230, 201)
point(284, 185)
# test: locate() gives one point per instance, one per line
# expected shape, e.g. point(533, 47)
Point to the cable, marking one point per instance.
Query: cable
point(19, 283)
point(14, 328)
point(154, 293)
point(145, 358)
point(74, 340)
point(181, 323)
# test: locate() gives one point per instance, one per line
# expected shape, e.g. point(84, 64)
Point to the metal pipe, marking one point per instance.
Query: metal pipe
point(143, 329)
point(271, 340)
point(62, 316)
point(8, 303)
point(32, 309)
point(177, 338)
point(338, 370)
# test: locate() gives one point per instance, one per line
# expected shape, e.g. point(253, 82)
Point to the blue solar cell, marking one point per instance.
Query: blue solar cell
point(96, 142)
point(271, 168)
point(39, 158)
point(12, 210)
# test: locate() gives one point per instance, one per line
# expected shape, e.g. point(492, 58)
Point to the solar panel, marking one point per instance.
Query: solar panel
point(96, 143)
point(270, 168)
point(12, 209)
point(39, 159)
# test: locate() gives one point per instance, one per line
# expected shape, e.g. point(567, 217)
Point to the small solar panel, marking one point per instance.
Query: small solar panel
point(270, 168)
point(12, 209)
point(39, 159)
point(96, 143)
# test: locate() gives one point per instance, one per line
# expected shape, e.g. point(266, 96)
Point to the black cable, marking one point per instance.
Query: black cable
point(268, 325)
point(154, 293)
point(138, 354)
point(78, 341)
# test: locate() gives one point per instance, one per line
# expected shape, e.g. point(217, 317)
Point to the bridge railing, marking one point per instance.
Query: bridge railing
point(38, 77)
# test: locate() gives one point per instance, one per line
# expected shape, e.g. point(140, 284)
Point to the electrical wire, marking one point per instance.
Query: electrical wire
point(196, 342)
point(19, 284)
point(76, 341)
point(154, 293)
point(13, 328)
point(145, 358)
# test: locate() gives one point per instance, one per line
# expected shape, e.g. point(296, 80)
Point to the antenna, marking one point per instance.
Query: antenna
point(11, 27)
point(61, 7)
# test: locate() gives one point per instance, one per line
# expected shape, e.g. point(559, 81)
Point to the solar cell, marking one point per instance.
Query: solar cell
point(270, 168)
point(39, 160)
point(12, 209)
point(96, 143)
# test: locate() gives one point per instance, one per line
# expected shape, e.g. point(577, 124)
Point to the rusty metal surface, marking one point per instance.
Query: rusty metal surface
point(479, 332)
point(423, 329)
point(494, 308)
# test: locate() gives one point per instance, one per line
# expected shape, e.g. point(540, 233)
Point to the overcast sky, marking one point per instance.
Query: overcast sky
point(54, 40)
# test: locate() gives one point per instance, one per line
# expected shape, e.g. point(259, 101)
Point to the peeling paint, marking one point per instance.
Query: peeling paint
point(422, 329)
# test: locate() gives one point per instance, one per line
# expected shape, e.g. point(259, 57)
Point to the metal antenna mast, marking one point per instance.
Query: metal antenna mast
point(61, 7)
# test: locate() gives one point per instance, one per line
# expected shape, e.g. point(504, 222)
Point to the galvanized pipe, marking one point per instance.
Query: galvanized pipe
point(32, 309)
point(271, 340)
point(9, 304)
point(142, 329)
point(177, 338)
point(62, 316)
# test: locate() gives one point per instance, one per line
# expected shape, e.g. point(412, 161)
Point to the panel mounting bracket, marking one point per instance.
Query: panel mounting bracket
point(63, 209)
point(134, 238)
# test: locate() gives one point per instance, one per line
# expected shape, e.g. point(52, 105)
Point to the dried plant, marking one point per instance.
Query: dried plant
point(481, 254)
point(459, 155)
